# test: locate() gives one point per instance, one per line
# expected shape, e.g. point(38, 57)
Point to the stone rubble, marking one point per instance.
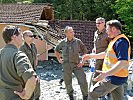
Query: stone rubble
point(50, 74)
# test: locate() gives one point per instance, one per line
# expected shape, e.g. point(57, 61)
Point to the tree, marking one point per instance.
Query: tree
point(124, 9)
point(16, 1)
point(104, 8)
point(81, 9)
point(7, 1)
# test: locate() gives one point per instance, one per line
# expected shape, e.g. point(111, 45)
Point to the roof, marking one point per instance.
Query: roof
point(84, 30)
point(24, 13)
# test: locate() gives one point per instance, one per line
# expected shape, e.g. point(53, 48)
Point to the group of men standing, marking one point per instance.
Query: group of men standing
point(18, 79)
point(17, 68)
point(111, 67)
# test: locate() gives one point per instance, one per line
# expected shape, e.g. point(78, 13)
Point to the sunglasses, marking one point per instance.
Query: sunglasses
point(15, 30)
point(99, 23)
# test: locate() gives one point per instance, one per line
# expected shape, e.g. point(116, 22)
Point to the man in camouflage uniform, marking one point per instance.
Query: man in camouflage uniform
point(101, 41)
point(71, 48)
point(17, 77)
point(30, 50)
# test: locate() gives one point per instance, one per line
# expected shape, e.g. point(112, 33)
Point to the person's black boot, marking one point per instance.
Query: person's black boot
point(71, 97)
point(60, 82)
point(85, 97)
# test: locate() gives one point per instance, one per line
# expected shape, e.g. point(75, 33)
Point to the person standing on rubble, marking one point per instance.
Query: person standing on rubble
point(101, 41)
point(17, 78)
point(71, 48)
point(115, 66)
point(30, 50)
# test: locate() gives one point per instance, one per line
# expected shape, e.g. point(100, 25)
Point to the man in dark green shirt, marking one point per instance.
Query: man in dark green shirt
point(101, 41)
point(30, 50)
point(17, 77)
point(71, 48)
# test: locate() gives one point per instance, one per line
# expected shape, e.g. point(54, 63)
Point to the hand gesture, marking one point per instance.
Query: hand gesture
point(61, 60)
point(86, 57)
point(80, 64)
point(101, 75)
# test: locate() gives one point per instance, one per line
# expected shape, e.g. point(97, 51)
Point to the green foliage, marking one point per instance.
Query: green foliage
point(84, 9)
point(15, 1)
point(63, 9)
point(8, 1)
point(81, 9)
point(104, 8)
point(27, 2)
point(124, 9)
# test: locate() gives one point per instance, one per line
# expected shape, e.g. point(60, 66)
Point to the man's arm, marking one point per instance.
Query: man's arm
point(92, 55)
point(89, 56)
point(29, 88)
point(122, 64)
point(118, 66)
point(84, 51)
point(25, 71)
point(58, 56)
point(83, 48)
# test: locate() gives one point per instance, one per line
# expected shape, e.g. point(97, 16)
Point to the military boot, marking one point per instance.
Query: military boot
point(60, 82)
point(71, 97)
point(85, 97)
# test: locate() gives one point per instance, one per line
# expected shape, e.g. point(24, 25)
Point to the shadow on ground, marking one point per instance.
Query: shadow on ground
point(49, 70)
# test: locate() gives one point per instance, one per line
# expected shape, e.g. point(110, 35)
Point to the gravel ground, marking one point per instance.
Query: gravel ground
point(50, 74)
